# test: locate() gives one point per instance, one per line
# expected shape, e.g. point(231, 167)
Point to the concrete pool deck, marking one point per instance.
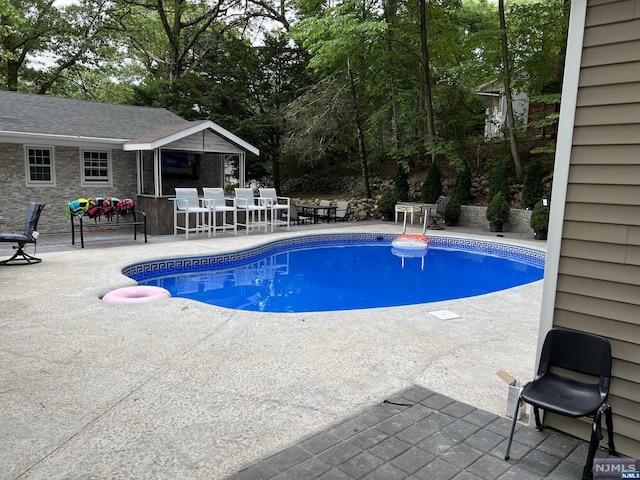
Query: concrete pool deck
point(179, 390)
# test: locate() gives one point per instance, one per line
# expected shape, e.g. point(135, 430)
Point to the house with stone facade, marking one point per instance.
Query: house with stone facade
point(54, 150)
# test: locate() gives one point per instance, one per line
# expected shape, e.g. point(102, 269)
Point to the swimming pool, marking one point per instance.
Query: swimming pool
point(343, 272)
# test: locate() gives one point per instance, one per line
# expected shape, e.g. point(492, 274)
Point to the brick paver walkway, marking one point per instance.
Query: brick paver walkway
point(422, 435)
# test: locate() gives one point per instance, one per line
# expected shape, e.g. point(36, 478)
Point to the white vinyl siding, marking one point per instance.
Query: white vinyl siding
point(598, 277)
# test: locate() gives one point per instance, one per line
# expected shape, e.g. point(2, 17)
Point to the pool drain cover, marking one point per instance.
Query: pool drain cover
point(444, 314)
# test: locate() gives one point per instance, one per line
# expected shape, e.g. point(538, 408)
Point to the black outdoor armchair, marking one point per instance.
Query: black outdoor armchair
point(555, 388)
point(436, 213)
point(28, 236)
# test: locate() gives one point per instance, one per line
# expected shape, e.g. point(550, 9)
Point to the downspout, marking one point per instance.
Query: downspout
point(561, 166)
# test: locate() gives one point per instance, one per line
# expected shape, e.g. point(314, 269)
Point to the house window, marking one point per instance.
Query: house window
point(96, 167)
point(40, 166)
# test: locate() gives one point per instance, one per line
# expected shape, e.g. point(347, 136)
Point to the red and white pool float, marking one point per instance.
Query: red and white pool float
point(136, 294)
point(410, 241)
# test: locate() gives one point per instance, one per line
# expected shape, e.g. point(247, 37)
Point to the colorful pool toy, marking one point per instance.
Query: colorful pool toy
point(410, 241)
point(136, 294)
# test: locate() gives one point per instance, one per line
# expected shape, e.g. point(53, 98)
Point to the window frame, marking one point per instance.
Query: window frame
point(102, 182)
point(52, 166)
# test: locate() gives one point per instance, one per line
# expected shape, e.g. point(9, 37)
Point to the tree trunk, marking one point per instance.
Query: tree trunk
point(359, 132)
point(12, 75)
point(275, 162)
point(507, 93)
point(391, 7)
point(426, 77)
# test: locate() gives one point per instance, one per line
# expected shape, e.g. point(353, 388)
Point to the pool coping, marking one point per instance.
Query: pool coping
point(154, 268)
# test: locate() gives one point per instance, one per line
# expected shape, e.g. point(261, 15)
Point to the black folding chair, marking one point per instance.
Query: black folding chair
point(29, 236)
point(554, 389)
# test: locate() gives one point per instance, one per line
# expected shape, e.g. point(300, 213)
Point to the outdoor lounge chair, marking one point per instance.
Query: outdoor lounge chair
point(216, 202)
point(278, 206)
point(30, 235)
point(323, 213)
point(435, 214)
point(557, 389)
point(294, 217)
point(342, 211)
point(185, 203)
point(253, 208)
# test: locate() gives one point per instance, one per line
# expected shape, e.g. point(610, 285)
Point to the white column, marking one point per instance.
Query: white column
point(157, 173)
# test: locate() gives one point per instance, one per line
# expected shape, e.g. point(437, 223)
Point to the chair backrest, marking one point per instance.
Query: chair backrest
point(577, 351)
point(215, 194)
point(245, 198)
point(441, 203)
point(268, 193)
point(293, 212)
point(325, 203)
point(342, 209)
point(31, 220)
point(190, 196)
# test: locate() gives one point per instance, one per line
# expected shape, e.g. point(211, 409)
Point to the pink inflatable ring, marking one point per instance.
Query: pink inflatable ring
point(136, 294)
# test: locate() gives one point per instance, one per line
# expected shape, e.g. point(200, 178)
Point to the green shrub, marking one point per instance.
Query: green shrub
point(401, 181)
point(499, 181)
point(462, 185)
point(454, 207)
point(533, 188)
point(387, 202)
point(432, 186)
point(540, 216)
point(498, 210)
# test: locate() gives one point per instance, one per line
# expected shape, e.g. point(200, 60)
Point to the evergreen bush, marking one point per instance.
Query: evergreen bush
point(454, 207)
point(462, 185)
point(387, 203)
point(533, 188)
point(401, 181)
point(498, 210)
point(432, 186)
point(540, 216)
point(499, 181)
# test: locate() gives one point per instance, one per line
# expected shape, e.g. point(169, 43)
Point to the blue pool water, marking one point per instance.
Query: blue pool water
point(327, 275)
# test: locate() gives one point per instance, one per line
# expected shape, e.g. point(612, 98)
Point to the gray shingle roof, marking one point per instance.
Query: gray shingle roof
point(43, 114)
point(162, 132)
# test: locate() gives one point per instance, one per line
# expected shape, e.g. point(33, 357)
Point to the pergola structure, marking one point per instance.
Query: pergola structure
point(202, 137)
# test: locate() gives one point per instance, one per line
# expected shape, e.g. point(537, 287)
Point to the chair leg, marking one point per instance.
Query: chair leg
point(175, 220)
point(596, 436)
point(609, 421)
point(536, 414)
point(21, 257)
point(513, 429)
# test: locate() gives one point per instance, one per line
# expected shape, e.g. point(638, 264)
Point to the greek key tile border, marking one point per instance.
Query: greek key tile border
point(155, 268)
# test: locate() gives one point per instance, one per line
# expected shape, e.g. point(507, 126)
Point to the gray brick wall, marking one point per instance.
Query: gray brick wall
point(15, 194)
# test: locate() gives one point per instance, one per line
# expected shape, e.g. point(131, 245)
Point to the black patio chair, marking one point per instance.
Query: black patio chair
point(29, 236)
point(555, 387)
point(436, 213)
point(295, 217)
